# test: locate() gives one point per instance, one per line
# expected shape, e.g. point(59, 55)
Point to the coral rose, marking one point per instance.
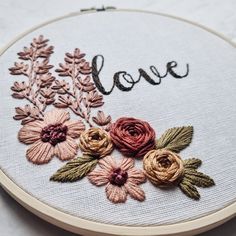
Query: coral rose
point(132, 137)
point(163, 167)
point(95, 142)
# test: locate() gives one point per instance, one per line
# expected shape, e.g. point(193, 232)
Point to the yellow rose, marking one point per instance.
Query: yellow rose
point(95, 142)
point(163, 167)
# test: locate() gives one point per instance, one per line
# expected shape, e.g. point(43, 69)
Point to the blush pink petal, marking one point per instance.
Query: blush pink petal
point(56, 116)
point(30, 132)
point(66, 150)
point(115, 193)
point(108, 163)
point(40, 153)
point(75, 128)
point(98, 177)
point(135, 191)
point(136, 176)
point(127, 163)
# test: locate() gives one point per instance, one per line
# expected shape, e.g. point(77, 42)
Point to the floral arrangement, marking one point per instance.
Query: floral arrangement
point(51, 133)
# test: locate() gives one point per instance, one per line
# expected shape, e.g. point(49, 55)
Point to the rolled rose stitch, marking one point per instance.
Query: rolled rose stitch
point(95, 142)
point(132, 137)
point(163, 167)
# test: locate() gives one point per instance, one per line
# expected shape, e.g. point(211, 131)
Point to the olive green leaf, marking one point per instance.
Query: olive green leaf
point(192, 178)
point(197, 178)
point(75, 169)
point(176, 139)
point(192, 163)
point(189, 189)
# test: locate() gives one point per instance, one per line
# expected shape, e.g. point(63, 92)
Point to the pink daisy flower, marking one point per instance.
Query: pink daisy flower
point(53, 136)
point(120, 180)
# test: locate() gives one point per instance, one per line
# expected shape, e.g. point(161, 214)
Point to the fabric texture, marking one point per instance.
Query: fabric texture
point(205, 99)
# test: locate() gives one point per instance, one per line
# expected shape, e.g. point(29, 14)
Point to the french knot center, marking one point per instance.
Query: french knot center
point(54, 134)
point(118, 177)
point(165, 162)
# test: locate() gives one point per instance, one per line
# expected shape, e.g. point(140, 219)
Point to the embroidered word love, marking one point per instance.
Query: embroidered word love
point(128, 81)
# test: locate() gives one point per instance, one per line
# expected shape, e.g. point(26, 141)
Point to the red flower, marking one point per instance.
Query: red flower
point(132, 137)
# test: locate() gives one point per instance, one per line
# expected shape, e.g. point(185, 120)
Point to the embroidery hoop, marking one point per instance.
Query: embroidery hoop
point(87, 227)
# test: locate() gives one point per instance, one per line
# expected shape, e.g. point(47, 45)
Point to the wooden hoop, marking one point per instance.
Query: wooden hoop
point(86, 227)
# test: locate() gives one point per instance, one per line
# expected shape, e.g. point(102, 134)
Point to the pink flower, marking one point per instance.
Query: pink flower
point(120, 180)
point(54, 136)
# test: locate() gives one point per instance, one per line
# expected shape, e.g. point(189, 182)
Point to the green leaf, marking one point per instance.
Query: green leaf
point(189, 189)
point(197, 178)
point(176, 139)
point(75, 169)
point(192, 163)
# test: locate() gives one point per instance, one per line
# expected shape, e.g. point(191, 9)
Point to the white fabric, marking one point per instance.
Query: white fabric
point(205, 99)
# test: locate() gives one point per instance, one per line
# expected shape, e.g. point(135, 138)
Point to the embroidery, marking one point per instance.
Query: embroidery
point(53, 136)
point(36, 90)
point(102, 120)
point(42, 89)
point(95, 142)
point(193, 177)
point(132, 137)
point(120, 180)
point(165, 168)
point(118, 76)
point(52, 133)
point(176, 139)
point(81, 96)
point(75, 170)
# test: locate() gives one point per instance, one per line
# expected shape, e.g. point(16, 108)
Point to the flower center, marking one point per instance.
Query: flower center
point(132, 131)
point(165, 162)
point(118, 177)
point(96, 136)
point(54, 134)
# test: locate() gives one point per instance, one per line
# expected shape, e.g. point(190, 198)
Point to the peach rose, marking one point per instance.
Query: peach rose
point(95, 142)
point(163, 167)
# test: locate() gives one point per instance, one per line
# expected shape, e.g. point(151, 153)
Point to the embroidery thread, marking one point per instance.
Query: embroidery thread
point(52, 133)
point(120, 179)
point(98, 63)
point(95, 144)
point(53, 136)
point(176, 139)
point(34, 65)
point(132, 137)
point(194, 178)
point(165, 168)
point(42, 89)
point(81, 95)
point(75, 170)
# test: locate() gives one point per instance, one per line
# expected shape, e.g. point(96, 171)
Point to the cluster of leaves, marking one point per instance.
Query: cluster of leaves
point(36, 89)
point(193, 178)
point(175, 140)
